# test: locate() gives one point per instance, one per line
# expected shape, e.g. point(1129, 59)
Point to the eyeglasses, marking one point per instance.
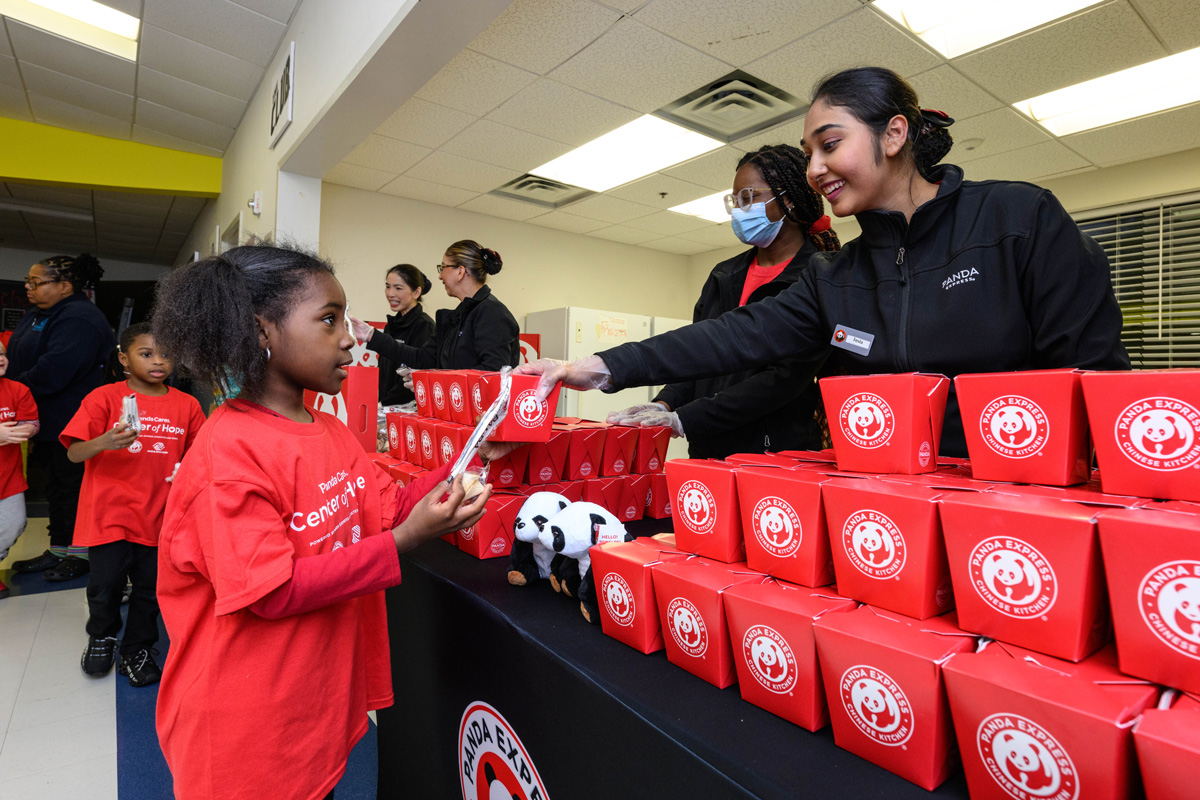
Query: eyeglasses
point(34, 283)
point(441, 267)
point(744, 199)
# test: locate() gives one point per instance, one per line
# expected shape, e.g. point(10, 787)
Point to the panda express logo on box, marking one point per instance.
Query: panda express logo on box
point(420, 387)
point(1169, 599)
point(508, 476)
point(477, 398)
point(393, 436)
point(493, 761)
point(498, 545)
point(874, 544)
point(426, 445)
point(618, 599)
point(1013, 577)
point(1014, 426)
point(687, 627)
point(439, 395)
point(697, 506)
point(876, 705)
point(410, 439)
point(447, 449)
point(776, 526)
point(770, 658)
point(456, 397)
point(1159, 433)
point(529, 412)
point(866, 420)
point(1025, 759)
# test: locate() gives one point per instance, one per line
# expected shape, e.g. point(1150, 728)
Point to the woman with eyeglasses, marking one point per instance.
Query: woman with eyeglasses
point(408, 324)
point(755, 409)
point(480, 333)
point(59, 350)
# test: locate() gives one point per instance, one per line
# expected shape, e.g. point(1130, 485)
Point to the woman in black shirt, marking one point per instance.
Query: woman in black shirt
point(407, 324)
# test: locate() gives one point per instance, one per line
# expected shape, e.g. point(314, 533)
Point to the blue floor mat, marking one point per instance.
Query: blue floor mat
point(20, 583)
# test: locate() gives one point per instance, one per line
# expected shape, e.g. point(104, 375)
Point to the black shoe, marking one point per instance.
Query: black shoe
point(140, 666)
point(4, 590)
point(99, 655)
point(40, 564)
point(70, 569)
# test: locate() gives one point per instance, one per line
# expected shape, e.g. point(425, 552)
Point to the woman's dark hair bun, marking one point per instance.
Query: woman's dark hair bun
point(412, 276)
point(491, 261)
point(82, 271)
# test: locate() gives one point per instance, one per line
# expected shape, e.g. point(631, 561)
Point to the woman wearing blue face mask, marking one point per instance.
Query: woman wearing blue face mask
point(778, 214)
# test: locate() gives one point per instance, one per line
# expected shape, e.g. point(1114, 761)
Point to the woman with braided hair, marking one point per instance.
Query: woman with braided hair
point(480, 333)
point(58, 350)
point(753, 410)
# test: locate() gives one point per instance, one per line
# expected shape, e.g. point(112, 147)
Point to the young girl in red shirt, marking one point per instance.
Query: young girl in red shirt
point(280, 535)
point(125, 481)
point(18, 421)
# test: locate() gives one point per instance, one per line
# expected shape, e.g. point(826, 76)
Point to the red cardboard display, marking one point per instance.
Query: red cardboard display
point(356, 405)
point(619, 444)
point(886, 423)
point(708, 520)
point(1152, 564)
point(1167, 739)
point(634, 491)
point(420, 379)
point(783, 521)
point(508, 471)
point(411, 434)
point(1026, 570)
point(695, 633)
point(651, 453)
point(1146, 428)
point(771, 633)
point(658, 498)
point(584, 451)
point(394, 423)
point(548, 458)
point(528, 419)
point(1030, 726)
point(883, 681)
point(492, 536)
point(887, 546)
point(624, 576)
point(1026, 427)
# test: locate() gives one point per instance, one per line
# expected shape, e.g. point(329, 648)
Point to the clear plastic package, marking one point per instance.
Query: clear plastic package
point(129, 414)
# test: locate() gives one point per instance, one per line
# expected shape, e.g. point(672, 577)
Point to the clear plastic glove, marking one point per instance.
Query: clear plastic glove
point(405, 374)
point(589, 372)
point(631, 416)
point(650, 415)
point(361, 330)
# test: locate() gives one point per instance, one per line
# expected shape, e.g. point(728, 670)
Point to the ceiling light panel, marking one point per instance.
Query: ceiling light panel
point(84, 21)
point(711, 208)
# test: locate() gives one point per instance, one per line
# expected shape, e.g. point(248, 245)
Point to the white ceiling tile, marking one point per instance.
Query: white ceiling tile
point(425, 123)
point(131, 7)
point(739, 32)
point(144, 135)
point(66, 196)
point(608, 209)
point(279, 10)
point(1026, 164)
point(13, 103)
point(636, 66)
point(502, 207)
point(493, 143)
point(649, 191)
point(715, 235)
point(49, 111)
point(860, 36)
point(562, 113)
point(9, 74)
point(619, 233)
point(185, 126)
point(34, 46)
point(1001, 130)
point(679, 246)
point(193, 62)
point(538, 35)
point(358, 177)
point(389, 155)
point(713, 170)
point(946, 89)
point(68, 89)
point(461, 173)
point(474, 83)
point(427, 192)
point(668, 223)
point(791, 132)
point(1155, 135)
point(1106, 38)
point(567, 222)
point(5, 47)
point(628, 6)
point(220, 25)
point(1175, 22)
point(167, 90)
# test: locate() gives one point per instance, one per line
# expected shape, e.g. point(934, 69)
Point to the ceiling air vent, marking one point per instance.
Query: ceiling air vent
point(541, 191)
point(733, 107)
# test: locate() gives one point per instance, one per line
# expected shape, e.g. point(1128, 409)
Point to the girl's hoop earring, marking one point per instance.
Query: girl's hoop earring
point(268, 354)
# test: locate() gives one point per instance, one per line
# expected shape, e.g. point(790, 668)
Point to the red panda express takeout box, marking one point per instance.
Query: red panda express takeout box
point(1168, 748)
point(1146, 429)
point(1030, 726)
point(783, 521)
point(883, 682)
point(528, 419)
point(1026, 427)
point(492, 536)
point(624, 576)
point(771, 632)
point(651, 452)
point(886, 423)
point(356, 405)
point(708, 521)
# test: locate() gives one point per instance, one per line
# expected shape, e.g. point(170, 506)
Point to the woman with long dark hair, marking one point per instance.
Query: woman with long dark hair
point(407, 324)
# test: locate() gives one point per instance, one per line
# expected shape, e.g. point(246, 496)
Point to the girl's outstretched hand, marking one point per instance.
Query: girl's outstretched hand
point(439, 513)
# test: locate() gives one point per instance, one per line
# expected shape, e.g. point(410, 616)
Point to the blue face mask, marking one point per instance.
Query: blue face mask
point(752, 226)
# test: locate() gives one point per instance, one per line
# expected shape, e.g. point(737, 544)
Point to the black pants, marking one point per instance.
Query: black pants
point(111, 564)
point(63, 479)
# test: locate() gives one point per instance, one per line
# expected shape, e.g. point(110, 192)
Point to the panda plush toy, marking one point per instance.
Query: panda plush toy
point(530, 559)
point(570, 533)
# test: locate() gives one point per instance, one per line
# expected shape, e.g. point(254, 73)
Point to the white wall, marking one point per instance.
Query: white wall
point(15, 264)
point(364, 233)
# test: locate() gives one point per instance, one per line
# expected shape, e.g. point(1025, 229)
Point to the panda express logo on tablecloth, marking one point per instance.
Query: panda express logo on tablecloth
point(874, 544)
point(1014, 426)
point(1025, 760)
point(493, 761)
point(867, 420)
point(1169, 599)
point(776, 526)
point(770, 658)
point(528, 411)
point(876, 705)
point(697, 506)
point(618, 599)
point(1159, 433)
point(456, 397)
point(1013, 577)
point(687, 627)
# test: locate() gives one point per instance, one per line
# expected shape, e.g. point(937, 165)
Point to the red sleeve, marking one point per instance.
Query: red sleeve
point(246, 544)
point(195, 421)
point(26, 409)
point(412, 494)
point(318, 581)
point(89, 421)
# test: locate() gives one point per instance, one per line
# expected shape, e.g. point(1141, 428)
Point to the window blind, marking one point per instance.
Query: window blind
point(1154, 254)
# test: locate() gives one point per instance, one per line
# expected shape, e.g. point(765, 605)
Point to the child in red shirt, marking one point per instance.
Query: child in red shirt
point(18, 421)
point(279, 536)
point(121, 502)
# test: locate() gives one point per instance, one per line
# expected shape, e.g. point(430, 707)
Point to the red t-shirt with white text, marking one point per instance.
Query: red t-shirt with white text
point(16, 405)
point(125, 491)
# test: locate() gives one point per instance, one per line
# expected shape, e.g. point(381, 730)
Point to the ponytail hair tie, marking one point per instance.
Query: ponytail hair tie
point(821, 225)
